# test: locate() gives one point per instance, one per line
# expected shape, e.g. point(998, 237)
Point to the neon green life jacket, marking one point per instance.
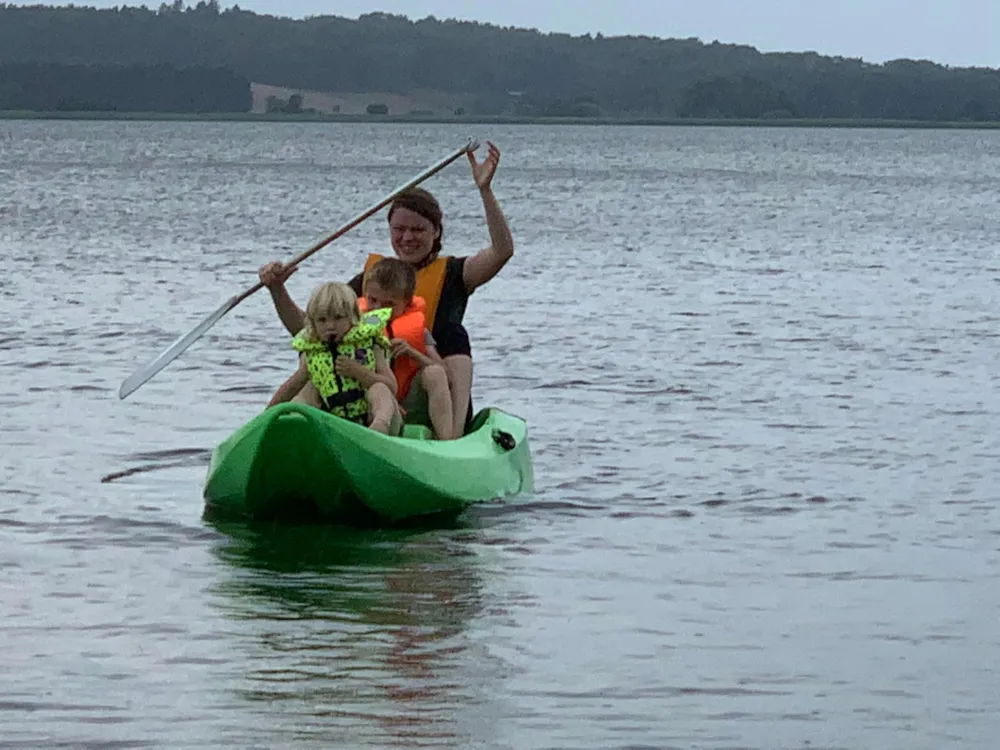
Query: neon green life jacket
point(343, 396)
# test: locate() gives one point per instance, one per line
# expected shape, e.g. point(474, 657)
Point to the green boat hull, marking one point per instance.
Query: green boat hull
point(296, 462)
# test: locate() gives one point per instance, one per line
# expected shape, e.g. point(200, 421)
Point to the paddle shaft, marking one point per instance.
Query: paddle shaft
point(472, 145)
point(135, 381)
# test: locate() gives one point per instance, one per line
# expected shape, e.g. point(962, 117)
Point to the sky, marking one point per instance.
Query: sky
point(951, 32)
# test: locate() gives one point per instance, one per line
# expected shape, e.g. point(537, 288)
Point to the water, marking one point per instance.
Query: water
point(760, 371)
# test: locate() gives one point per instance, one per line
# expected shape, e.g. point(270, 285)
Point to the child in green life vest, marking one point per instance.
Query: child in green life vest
point(343, 362)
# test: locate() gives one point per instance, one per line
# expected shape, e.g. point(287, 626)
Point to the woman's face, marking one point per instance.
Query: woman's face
point(412, 235)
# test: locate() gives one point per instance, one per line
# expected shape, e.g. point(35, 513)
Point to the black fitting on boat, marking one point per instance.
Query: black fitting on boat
point(504, 439)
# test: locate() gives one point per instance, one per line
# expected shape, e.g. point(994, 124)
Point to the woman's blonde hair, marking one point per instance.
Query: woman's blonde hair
point(334, 300)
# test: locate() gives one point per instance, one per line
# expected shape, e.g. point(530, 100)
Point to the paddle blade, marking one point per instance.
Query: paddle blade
point(172, 352)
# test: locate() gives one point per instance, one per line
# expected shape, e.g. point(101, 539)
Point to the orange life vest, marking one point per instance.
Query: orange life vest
point(430, 282)
point(410, 327)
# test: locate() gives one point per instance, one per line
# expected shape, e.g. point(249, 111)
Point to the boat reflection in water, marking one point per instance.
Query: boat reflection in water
point(356, 637)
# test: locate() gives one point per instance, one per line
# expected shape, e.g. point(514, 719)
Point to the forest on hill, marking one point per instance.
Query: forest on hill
point(497, 70)
point(53, 87)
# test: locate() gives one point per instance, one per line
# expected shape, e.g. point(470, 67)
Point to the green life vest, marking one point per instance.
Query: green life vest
point(343, 396)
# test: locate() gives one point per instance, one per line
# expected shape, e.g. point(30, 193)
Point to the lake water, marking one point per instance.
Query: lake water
point(760, 371)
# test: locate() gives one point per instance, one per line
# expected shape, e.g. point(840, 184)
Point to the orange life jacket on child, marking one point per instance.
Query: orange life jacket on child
point(410, 327)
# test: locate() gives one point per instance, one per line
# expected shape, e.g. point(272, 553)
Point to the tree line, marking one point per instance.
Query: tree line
point(55, 87)
point(502, 70)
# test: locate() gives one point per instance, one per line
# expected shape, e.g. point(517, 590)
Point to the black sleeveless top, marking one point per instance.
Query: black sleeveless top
point(450, 334)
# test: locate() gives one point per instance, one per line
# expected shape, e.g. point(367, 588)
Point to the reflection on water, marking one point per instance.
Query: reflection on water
point(357, 631)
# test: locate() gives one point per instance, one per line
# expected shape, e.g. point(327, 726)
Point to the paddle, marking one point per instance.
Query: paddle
point(134, 381)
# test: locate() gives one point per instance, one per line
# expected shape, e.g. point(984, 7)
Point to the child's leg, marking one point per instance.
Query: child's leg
point(382, 410)
point(308, 395)
point(434, 380)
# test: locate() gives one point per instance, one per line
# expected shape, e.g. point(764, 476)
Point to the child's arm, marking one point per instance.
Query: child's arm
point(383, 373)
point(400, 347)
point(287, 390)
point(431, 346)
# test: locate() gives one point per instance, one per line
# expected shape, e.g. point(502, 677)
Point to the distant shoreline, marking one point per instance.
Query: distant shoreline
point(495, 120)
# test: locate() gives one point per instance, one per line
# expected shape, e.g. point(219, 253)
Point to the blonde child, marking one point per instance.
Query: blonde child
point(343, 362)
point(422, 381)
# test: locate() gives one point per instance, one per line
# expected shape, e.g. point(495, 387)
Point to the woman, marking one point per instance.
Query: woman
point(416, 232)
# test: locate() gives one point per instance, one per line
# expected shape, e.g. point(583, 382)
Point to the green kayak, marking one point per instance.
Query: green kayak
point(296, 462)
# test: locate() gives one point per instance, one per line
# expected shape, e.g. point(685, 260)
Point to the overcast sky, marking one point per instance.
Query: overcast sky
point(953, 32)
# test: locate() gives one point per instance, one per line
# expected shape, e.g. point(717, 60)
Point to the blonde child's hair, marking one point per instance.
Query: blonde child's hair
point(394, 276)
point(334, 300)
